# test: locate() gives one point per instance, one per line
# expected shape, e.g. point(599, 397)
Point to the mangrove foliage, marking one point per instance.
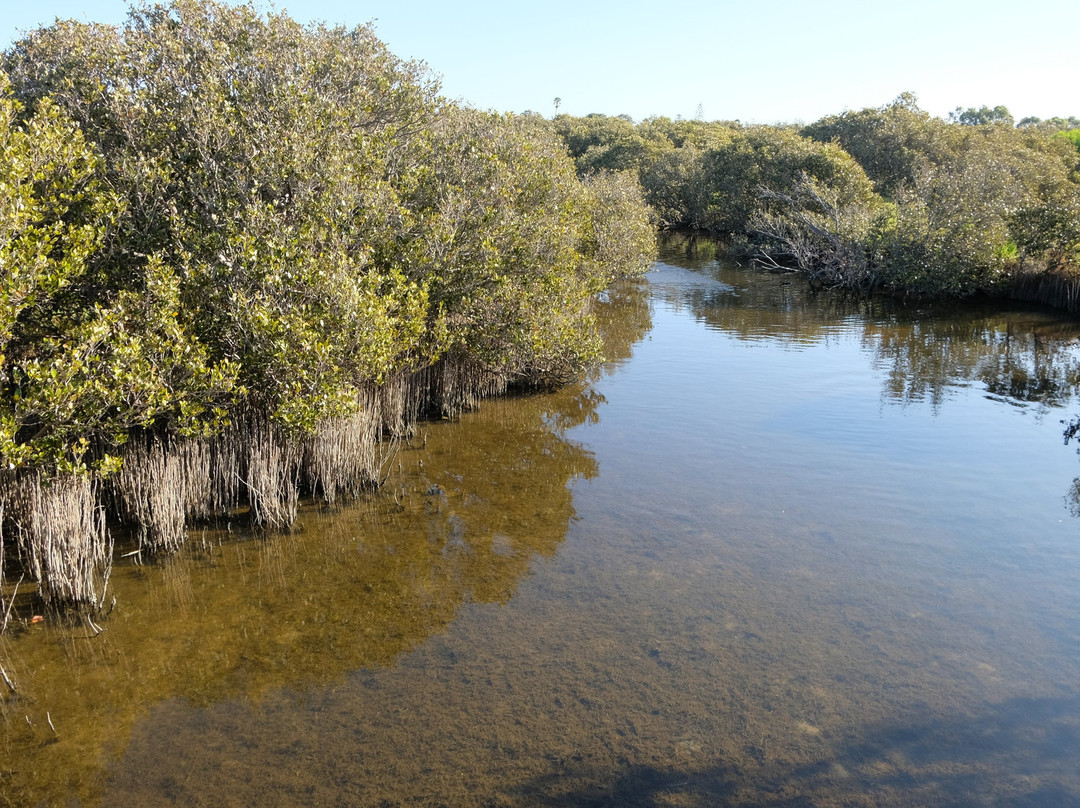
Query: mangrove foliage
point(237, 251)
point(887, 199)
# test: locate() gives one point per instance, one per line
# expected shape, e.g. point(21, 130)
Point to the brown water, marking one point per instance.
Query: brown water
point(788, 550)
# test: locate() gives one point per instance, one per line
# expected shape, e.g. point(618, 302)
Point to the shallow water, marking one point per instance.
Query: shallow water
point(788, 549)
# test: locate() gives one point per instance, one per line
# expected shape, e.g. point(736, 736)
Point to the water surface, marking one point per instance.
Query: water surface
point(787, 549)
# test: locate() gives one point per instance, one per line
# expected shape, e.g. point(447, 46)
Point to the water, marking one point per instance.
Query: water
point(787, 549)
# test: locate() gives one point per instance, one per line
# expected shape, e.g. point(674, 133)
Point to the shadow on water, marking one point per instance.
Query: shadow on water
point(943, 762)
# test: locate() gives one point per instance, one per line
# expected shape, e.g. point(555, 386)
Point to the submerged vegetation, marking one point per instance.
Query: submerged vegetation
point(237, 251)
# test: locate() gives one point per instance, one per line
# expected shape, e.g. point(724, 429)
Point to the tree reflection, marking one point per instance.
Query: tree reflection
point(467, 508)
point(623, 319)
point(1018, 354)
point(459, 523)
point(1072, 499)
point(1020, 357)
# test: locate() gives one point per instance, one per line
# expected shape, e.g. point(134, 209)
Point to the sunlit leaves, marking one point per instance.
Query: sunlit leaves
point(515, 245)
point(53, 210)
point(227, 209)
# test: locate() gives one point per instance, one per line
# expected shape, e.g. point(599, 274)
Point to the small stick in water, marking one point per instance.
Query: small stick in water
point(7, 679)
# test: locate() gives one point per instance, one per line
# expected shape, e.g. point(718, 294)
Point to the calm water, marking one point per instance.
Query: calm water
point(786, 549)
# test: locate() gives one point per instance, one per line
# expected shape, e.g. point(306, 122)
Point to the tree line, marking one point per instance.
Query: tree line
point(237, 251)
point(887, 199)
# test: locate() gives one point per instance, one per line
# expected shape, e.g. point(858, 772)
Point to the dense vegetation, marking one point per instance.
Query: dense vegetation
point(237, 250)
point(887, 199)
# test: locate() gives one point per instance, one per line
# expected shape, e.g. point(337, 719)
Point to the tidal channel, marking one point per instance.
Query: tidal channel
point(787, 548)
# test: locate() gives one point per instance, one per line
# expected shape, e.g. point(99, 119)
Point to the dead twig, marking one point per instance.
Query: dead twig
point(386, 463)
point(94, 627)
point(7, 680)
point(11, 604)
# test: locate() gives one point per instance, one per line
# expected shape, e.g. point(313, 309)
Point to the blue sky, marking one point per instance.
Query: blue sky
point(778, 61)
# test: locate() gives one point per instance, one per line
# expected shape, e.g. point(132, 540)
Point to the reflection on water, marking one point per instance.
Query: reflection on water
point(797, 549)
point(460, 522)
point(1022, 355)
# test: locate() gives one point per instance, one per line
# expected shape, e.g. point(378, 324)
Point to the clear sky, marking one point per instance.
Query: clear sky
point(778, 60)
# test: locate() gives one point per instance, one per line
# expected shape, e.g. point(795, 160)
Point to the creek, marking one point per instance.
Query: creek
point(786, 548)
